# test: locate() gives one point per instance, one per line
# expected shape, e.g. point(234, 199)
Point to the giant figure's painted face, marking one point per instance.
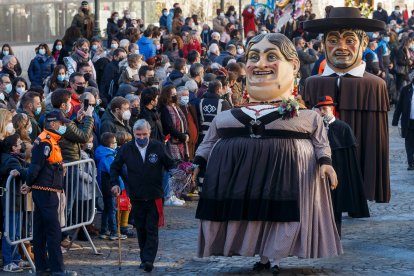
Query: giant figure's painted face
point(344, 49)
point(269, 76)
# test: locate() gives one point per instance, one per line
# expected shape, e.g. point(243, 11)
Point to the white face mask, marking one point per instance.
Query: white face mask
point(249, 10)
point(20, 90)
point(240, 51)
point(89, 146)
point(30, 130)
point(10, 129)
point(2, 97)
point(126, 115)
point(69, 107)
point(222, 14)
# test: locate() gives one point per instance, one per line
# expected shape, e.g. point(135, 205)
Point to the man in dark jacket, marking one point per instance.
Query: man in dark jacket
point(306, 57)
point(149, 112)
point(30, 104)
point(231, 51)
point(109, 82)
point(163, 18)
point(405, 110)
point(145, 161)
point(177, 74)
point(116, 117)
point(380, 13)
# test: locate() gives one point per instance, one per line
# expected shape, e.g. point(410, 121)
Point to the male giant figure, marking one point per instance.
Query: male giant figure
point(362, 97)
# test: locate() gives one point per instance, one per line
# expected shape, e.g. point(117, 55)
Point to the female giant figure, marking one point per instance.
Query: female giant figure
point(266, 188)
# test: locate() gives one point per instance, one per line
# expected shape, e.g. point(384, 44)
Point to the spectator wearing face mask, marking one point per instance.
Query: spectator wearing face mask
point(56, 80)
point(163, 18)
point(5, 89)
point(190, 113)
point(116, 118)
point(249, 21)
point(58, 52)
point(231, 15)
point(177, 75)
point(19, 86)
point(79, 55)
point(112, 72)
point(396, 15)
point(41, 66)
point(380, 13)
point(87, 71)
point(9, 67)
point(6, 50)
point(30, 105)
point(220, 22)
point(84, 20)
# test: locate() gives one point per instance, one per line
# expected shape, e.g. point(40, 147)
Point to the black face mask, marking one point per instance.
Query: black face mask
point(85, 10)
point(135, 111)
point(174, 99)
point(87, 76)
point(80, 89)
point(23, 149)
point(141, 25)
point(241, 79)
point(174, 45)
point(150, 81)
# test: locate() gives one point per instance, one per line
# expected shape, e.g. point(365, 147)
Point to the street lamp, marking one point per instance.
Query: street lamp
point(97, 31)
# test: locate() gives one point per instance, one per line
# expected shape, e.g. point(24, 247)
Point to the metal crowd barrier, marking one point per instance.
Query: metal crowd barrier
point(76, 208)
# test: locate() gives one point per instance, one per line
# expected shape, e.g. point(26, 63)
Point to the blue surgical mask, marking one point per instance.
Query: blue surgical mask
point(94, 47)
point(387, 39)
point(38, 110)
point(142, 142)
point(20, 90)
point(5, 53)
point(9, 88)
point(61, 130)
point(30, 130)
point(114, 46)
point(412, 47)
point(60, 78)
point(58, 47)
point(184, 100)
point(42, 51)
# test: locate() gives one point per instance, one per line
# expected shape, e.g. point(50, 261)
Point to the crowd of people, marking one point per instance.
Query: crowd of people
point(168, 82)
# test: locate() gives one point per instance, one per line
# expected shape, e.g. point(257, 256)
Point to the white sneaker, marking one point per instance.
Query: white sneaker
point(176, 199)
point(173, 202)
point(12, 267)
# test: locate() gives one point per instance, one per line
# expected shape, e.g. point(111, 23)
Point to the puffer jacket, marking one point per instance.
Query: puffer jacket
point(40, 68)
point(75, 135)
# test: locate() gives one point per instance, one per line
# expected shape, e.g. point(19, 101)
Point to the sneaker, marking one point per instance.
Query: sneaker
point(24, 264)
point(104, 236)
point(174, 198)
point(114, 237)
point(66, 243)
point(171, 202)
point(12, 267)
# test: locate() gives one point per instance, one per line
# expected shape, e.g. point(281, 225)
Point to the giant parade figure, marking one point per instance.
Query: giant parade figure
point(268, 167)
point(362, 98)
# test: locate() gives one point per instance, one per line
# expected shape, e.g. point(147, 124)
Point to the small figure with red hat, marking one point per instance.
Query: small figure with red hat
point(349, 195)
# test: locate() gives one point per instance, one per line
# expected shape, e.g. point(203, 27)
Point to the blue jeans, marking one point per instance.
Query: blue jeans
point(7, 249)
point(108, 215)
point(166, 185)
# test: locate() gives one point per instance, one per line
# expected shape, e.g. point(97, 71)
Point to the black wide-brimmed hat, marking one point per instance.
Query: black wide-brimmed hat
point(343, 18)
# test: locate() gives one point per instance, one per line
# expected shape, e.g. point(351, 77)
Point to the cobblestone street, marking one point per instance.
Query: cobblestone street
point(380, 245)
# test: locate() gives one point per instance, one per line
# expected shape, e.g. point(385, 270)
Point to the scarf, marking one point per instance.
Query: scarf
point(177, 148)
point(80, 57)
point(41, 58)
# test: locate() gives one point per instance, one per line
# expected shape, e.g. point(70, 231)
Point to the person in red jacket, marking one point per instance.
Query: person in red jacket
point(249, 21)
point(191, 43)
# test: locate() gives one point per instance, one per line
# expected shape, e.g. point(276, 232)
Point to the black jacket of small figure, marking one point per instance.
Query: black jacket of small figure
point(403, 109)
point(144, 177)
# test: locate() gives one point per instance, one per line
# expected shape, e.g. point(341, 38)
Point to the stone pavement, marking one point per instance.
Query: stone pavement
point(380, 245)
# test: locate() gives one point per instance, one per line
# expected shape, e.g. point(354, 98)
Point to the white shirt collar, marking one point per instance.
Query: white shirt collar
point(356, 72)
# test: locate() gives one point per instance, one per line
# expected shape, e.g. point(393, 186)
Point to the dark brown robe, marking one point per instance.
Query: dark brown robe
point(362, 103)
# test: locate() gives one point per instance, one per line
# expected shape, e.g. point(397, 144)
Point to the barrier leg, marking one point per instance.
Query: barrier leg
point(26, 253)
point(90, 241)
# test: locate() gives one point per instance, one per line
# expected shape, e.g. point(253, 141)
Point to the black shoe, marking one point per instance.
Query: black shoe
point(42, 273)
point(142, 266)
point(275, 270)
point(259, 266)
point(410, 168)
point(148, 267)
